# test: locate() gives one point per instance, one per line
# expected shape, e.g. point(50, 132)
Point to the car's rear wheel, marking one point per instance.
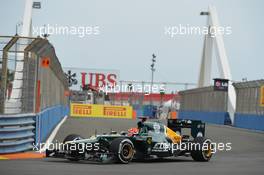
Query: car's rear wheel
point(74, 154)
point(202, 149)
point(123, 150)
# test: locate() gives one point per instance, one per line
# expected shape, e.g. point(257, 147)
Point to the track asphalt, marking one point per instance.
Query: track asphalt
point(246, 156)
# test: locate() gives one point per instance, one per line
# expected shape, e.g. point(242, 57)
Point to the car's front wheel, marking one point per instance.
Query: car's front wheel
point(123, 150)
point(74, 154)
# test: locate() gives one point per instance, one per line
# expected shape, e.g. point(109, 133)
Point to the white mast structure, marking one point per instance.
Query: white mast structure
point(222, 61)
point(14, 104)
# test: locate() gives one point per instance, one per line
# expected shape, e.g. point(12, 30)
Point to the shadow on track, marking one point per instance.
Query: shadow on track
point(148, 161)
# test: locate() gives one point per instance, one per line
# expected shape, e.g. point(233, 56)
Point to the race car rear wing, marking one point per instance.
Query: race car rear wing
point(197, 126)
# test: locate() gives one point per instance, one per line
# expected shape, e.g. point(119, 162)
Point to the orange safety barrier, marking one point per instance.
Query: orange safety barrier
point(134, 115)
point(173, 115)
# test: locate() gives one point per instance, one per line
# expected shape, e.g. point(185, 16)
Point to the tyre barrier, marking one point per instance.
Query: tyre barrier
point(221, 118)
point(19, 132)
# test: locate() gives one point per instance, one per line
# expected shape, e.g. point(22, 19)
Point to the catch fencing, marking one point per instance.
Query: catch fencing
point(44, 92)
point(44, 82)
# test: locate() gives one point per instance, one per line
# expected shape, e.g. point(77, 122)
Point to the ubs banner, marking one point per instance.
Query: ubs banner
point(92, 77)
point(103, 111)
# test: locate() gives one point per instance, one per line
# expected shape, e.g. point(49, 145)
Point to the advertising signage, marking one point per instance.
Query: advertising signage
point(220, 84)
point(100, 111)
point(92, 77)
point(262, 96)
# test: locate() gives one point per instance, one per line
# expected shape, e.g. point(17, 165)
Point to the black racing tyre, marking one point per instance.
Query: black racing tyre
point(123, 150)
point(202, 149)
point(74, 154)
point(72, 137)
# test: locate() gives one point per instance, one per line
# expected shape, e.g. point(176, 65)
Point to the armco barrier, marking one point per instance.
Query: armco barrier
point(19, 132)
point(249, 121)
point(47, 120)
point(209, 117)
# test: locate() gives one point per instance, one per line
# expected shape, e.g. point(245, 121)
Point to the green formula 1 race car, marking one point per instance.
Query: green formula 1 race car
point(148, 140)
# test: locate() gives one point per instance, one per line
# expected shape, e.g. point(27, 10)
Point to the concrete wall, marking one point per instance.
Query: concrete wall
point(211, 106)
point(249, 112)
point(204, 104)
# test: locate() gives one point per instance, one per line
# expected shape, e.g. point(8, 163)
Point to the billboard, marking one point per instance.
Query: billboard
point(92, 77)
point(262, 96)
point(220, 84)
point(101, 111)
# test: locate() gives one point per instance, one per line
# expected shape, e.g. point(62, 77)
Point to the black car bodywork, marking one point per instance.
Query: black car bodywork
point(153, 139)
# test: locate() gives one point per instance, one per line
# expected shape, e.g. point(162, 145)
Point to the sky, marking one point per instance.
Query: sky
point(130, 31)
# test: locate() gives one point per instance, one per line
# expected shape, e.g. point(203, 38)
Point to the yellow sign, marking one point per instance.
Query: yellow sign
point(262, 96)
point(101, 111)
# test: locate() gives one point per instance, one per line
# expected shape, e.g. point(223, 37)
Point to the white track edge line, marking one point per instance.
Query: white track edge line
point(52, 135)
